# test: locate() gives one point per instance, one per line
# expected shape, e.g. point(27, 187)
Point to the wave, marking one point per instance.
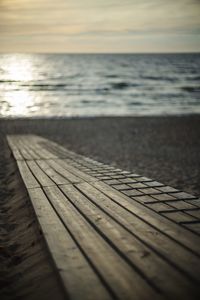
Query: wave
point(159, 78)
point(191, 89)
point(8, 81)
point(111, 76)
point(123, 85)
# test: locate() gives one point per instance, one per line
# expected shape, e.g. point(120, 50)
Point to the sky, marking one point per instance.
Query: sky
point(99, 26)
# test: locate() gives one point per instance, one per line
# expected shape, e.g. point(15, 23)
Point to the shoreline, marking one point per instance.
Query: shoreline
point(161, 147)
point(88, 117)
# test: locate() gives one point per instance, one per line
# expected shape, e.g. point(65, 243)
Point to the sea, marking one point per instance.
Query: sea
point(87, 85)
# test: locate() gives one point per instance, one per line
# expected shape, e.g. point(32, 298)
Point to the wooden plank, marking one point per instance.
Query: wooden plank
point(195, 202)
point(33, 144)
point(22, 148)
point(27, 176)
point(25, 154)
point(112, 181)
point(152, 228)
point(182, 195)
point(146, 214)
point(58, 150)
point(178, 216)
point(163, 197)
point(121, 187)
point(39, 174)
point(137, 185)
point(167, 189)
point(11, 141)
point(195, 213)
point(28, 146)
point(62, 171)
point(149, 191)
point(180, 204)
point(43, 153)
point(169, 281)
point(75, 171)
point(195, 227)
point(56, 177)
point(132, 192)
point(76, 273)
point(16, 153)
point(24, 143)
point(119, 276)
point(160, 207)
point(154, 184)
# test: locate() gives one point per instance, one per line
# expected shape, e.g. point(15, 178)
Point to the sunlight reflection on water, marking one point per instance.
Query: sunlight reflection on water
point(18, 68)
point(96, 85)
point(18, 103)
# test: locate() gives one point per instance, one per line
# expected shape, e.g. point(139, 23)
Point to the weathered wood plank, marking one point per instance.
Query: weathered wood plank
point(155, 233)
point(151, 217)
point(29, 147)
point(32, 143)
point(65, 164)
point(76, 273)
point(56, 149)
point(39, 174)
point(16, 153)
point(22, 148)
point(27, 176)
point(42, 153)
point(169, 281)
point(64, 172)
point(56, 177)
point(122, 279)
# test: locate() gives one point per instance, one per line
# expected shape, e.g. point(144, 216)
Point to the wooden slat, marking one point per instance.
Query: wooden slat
point(42, 153)
point(27, 176)
point(64, 163)
point(56, 177)
point(21, 148)
point(56, 149)
point(16, 153)
point(169, 281)
point(128, 250)
point(121, 278)
point(62, 171)
point(39, 174)
point(136, 224)
point(152, 218)
point(77, 275)
point(29, 148)
point(33, 144)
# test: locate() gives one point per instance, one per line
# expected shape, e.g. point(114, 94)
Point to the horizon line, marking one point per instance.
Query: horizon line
point(112, 53)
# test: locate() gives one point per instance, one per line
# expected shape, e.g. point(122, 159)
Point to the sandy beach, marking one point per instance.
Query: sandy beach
point(163, 148)
point(166, 149)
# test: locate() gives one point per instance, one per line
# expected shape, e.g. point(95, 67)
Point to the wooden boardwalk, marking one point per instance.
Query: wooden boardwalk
point(110, 233)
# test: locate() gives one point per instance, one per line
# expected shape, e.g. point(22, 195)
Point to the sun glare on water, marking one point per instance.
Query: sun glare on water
point(19, 68)
point(17, 101)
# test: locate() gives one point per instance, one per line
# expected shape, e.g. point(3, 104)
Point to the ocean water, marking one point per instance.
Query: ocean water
point(67, 85)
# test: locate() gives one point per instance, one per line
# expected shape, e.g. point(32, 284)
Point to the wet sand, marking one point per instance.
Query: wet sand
point(166, 149)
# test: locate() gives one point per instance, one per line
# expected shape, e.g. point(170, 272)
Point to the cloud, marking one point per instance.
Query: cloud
point(97, 19)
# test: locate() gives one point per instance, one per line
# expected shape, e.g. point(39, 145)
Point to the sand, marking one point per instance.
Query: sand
point(26, 270)
point(166, 149)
